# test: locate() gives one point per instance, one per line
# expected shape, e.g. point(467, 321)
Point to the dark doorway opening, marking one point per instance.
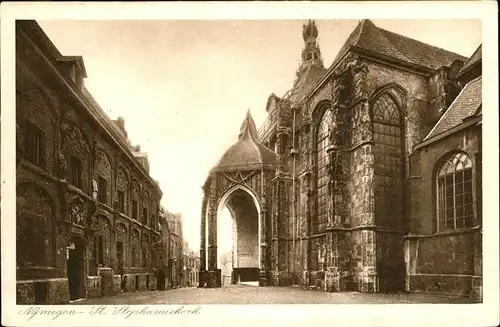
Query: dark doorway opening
point(241, 263)
point(75, 268)
point(41, 291)
point(136, 282)
point(161, 280)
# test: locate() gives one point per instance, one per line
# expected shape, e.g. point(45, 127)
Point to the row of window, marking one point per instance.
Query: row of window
point(100, 249)
point(34, 152)
point(454, 179)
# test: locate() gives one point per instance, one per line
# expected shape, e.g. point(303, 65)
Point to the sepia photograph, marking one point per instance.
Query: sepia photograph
point(191, 162)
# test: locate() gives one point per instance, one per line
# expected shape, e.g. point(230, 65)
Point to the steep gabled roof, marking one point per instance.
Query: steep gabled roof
point(248, 152)
point(473, 60)
point(307, 81)
point(466, 105)
point(368, 36)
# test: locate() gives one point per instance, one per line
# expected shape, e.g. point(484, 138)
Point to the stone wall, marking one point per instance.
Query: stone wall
point(422, 182)
point(42, 291)
point(93, 288)
point(412, 92)
point(450, 261)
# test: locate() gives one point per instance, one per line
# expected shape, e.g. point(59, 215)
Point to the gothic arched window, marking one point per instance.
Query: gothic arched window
point(322, 170)
point(454, 193)
point(389, 164)
point(134, 249)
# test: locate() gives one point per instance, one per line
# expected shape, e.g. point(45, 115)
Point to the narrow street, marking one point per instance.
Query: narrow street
point(244, 294)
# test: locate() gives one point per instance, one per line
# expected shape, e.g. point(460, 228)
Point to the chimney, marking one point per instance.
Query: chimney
point(141, 157)
point(120, 123)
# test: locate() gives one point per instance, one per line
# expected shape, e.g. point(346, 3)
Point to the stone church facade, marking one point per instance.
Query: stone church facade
point(87, 208)
point(353, 199)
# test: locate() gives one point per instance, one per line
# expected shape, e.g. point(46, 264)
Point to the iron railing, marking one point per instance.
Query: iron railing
point(268, 125)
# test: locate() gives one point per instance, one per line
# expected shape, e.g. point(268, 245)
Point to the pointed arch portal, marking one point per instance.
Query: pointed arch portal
point(239, 183)
point(243, 205)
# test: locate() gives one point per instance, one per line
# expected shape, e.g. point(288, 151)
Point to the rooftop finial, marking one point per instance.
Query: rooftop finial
point(248, 127)
point(309, 31)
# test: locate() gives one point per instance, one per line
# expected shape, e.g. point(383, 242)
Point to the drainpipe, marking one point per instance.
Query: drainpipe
point(294, 154)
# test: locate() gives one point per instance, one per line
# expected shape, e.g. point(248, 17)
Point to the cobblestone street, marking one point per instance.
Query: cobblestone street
point(243, 294)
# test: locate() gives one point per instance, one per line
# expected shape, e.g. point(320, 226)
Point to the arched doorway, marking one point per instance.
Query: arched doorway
point(75, 268)
point(242, 262)
point(241, 182)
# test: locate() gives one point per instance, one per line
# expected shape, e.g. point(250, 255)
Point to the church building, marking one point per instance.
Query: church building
point(366, 175)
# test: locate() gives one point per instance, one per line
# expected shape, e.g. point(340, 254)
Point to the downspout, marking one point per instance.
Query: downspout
point(294, 154)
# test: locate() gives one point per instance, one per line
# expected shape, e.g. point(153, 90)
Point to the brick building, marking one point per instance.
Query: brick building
point(341, 188)
point(87, 207)
point(174, 263)
point(191, 267)
point(162, 251)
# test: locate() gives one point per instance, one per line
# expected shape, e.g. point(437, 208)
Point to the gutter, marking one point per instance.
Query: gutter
point(449, 132)
point(418, 69)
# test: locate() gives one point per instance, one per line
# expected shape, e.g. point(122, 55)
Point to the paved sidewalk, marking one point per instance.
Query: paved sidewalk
point(244, 294)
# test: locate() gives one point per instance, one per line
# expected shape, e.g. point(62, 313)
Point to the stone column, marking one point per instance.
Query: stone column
point(332, 274)
point(306, 196)
point(274, 234)
point(282, 206)
point(283, 136)
point(263, 243)
point(212, 237)
point(203, 245)
point(364, 234)
point(303, 223)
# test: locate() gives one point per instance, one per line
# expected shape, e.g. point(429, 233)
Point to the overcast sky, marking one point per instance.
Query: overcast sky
point(184, 87)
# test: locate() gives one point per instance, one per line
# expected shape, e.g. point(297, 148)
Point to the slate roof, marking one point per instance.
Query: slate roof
point(369, 37)
point(248, 152)
point(466, 105)
point(307, 82)
point(475, 58)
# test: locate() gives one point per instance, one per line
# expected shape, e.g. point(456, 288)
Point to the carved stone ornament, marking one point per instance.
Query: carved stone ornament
point(330, 212)
point(77, 214)
point(120, 229)
point(360, 72)
point(74, 133)
point(338, 86)
point(95, 190)
point(355, 73)
point(63, 166)
point(332, 135)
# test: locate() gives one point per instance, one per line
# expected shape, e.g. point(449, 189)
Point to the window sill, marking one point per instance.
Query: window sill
point(446, 233)
point(38, 170)
point(105, 206)
point(34, 268)
point(79, 191)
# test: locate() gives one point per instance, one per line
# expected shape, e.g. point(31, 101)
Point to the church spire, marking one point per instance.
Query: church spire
point(311, 55)
point(248, 128)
